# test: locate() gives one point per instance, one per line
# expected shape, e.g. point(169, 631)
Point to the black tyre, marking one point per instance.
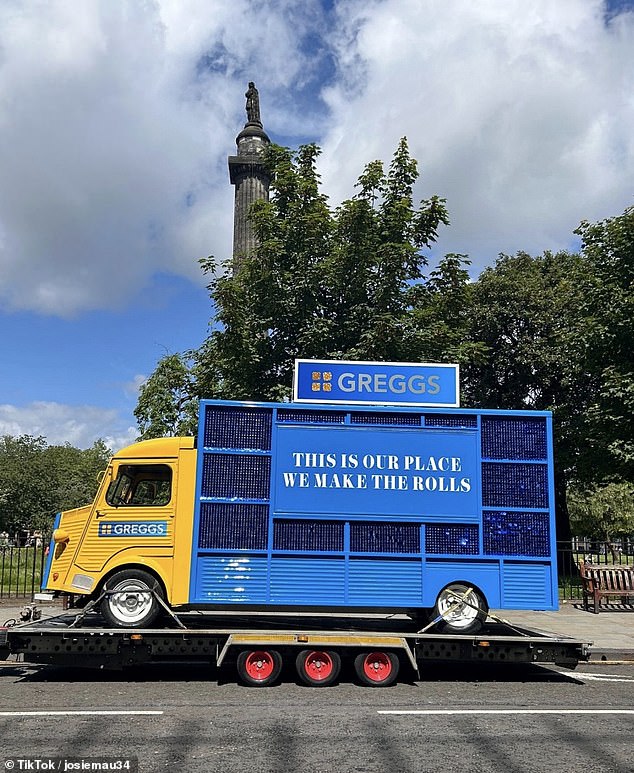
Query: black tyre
point(318, 668)
point(131, 602)
point(462, 607)
point(259, 668)
point(377, 668)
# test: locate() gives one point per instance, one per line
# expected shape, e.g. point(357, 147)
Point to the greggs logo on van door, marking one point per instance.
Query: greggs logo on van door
point(133, 529)
point(376, 383)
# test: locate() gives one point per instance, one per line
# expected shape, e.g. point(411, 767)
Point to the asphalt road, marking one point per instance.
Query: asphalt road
point(197, 724)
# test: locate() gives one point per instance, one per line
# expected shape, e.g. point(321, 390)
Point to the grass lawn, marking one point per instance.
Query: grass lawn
point(20, 570)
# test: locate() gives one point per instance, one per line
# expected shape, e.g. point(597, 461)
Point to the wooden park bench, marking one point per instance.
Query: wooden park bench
point(606, 581)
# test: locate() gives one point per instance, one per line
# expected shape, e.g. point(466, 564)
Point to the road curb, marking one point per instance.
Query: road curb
point(611, 657)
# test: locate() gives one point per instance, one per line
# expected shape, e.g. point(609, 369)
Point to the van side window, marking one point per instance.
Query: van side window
point(141, 485)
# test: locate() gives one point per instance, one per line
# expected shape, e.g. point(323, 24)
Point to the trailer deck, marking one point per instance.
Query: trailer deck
point(249, 641)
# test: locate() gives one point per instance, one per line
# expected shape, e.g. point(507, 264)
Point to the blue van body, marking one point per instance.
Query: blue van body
point(355, 507)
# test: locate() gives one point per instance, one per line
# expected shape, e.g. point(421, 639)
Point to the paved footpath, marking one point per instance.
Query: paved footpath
point(611, 632)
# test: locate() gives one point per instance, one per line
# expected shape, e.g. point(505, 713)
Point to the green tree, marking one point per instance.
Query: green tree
point(26, 483)
point(167, 401)
point(321, 283)
point(75, 472)
point(38, 480)
point(525, 311)
point(603, 512)
point(439, 326)
point(608, 309)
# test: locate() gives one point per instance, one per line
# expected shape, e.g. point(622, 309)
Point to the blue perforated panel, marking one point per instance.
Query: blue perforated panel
point(516, 534)
point(310, 417)
point(452, 540)
point(233, 526)
point(514, 485)
point(326, 506)
point(384, 538)
point(513, 438)
point(308, 535)
point(228, 476)
point(450, 420)
point(229, 427)
point(386, 419)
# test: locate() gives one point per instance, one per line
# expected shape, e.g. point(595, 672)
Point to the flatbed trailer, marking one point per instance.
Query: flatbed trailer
point(258, 646)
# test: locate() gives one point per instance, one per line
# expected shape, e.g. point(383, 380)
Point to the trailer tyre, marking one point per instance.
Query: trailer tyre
point(259, 668)
point(462, 607)
point(377, 668)
point(318, 668)
point(132, 602)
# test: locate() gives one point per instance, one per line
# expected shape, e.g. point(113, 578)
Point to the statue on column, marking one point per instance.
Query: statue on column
point(253, 104)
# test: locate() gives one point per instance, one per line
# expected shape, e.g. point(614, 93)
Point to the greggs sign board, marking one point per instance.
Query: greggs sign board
point(376, 383)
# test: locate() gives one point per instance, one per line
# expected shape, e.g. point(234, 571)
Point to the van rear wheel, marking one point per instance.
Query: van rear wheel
point(463, 609)
point(130, 601)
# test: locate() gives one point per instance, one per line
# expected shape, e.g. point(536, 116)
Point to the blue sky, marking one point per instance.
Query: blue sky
point(117, 117)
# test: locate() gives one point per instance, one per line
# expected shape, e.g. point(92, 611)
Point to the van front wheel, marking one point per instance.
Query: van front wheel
point(130, 599)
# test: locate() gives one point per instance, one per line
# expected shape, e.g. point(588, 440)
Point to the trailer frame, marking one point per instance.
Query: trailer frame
point(219, 639)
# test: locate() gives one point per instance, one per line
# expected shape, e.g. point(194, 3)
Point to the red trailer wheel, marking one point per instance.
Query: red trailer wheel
point(318, 668)
point(377, 669)
point(259, 668)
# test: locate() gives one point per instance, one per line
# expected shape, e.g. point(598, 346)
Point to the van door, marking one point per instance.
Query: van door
point(134, 515)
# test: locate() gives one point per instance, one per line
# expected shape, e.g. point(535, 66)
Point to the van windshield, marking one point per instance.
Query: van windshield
point(141, 485)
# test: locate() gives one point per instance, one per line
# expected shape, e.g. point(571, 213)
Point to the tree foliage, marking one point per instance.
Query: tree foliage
point(38, 480)
point(552, 332)
point(603, 512)
point(340, 283)
point(166, 405)
point(608, 309)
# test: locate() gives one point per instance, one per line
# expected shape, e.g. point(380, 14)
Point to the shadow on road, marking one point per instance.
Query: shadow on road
point(202, 672)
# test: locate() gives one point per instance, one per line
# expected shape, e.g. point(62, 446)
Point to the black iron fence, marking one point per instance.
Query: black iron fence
point(592, 552)
point(21, 568)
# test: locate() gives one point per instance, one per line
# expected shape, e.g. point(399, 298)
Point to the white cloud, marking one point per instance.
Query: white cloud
point(520, 114)
point(116, 118)
point(78, 425)
point(132, 388)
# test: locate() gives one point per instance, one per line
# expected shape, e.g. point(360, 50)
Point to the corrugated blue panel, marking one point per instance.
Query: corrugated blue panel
point(384, 582)
point(464, 420)
point(308, 535)
point(240, 428)
point(319, 581)
point(233, 526)
point(233, 476)
point(456, 540)
point(385, 537)
point(527, 586)
point(514, 533)
point(514, 485)
point(514, 438)
point(485, 575)
point(386, 419)
point(230, 579)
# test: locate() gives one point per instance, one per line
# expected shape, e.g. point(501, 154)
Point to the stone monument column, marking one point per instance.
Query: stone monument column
point(248, 175)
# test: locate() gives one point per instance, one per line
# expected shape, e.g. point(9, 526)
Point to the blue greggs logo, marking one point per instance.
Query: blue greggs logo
point(133, 529)
point(376, 383)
